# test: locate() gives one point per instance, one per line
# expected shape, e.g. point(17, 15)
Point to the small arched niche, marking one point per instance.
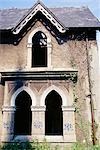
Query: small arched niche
point(39, 50)
point(53, 114)
point(23, 114)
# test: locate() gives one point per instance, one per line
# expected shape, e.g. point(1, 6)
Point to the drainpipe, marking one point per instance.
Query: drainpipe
point(91, 98)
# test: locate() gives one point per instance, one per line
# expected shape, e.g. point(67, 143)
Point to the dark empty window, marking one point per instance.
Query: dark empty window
point(39, 50)
point(53, 114)
point(23, 114)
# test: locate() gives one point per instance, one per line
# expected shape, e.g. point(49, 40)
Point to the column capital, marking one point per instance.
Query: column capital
point(38, 108)
point(8, 108)
point(68, 108)
point(29, 45)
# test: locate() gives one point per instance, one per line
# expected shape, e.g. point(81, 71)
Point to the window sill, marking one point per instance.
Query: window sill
point(48, 69)
point(26, 69)
point(55, 138)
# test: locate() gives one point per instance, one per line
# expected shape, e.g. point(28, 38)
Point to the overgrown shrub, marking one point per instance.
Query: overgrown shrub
point(35, 145)
point(26, 146)
point(17, 146)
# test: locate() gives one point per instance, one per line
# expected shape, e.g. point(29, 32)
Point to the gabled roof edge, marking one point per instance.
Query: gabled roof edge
point(39, 6)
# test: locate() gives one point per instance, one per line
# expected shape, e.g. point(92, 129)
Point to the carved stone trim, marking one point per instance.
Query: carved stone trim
point(8, 108)
point(38, 108)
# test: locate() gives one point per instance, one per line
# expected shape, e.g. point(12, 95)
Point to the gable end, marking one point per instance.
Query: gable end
point(46, 12)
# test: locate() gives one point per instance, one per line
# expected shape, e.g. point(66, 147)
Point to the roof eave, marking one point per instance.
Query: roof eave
point(66, 28)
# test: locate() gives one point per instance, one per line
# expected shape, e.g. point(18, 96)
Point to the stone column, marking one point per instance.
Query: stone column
point(8, 123)
point(29, 55)
point(38, 122)
point(68, 124)
point(49, 48)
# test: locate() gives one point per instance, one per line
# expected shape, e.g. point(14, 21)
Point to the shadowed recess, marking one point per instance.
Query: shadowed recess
point(23, 114)
point(53, 114)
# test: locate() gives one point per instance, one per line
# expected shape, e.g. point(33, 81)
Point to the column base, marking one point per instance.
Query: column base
point(7, 138)
point(70, 138)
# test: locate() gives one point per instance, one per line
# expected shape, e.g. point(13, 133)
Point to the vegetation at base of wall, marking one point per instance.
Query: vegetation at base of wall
point(45, 146)
point(80, 146)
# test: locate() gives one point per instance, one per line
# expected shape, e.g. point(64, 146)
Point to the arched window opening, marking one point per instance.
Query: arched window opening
point(53, 114)
point(39, 50)
point(23, 114)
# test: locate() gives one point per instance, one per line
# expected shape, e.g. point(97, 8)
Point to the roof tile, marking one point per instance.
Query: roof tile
point(69, 16)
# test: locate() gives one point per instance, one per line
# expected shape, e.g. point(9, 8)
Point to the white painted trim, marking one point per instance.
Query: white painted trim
point(37, 8)
point(58, 90)
point(28, 90)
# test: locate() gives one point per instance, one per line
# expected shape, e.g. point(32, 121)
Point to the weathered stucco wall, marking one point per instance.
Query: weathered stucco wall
point(14, 57)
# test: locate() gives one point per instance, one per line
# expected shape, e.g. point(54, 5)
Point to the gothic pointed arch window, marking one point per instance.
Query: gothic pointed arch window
point(53, 114)
point(39, 50)
point(23, 114)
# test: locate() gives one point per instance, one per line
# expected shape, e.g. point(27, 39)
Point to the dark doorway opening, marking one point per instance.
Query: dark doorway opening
point(23, 114)
point(39, 50)
point(53, 114)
